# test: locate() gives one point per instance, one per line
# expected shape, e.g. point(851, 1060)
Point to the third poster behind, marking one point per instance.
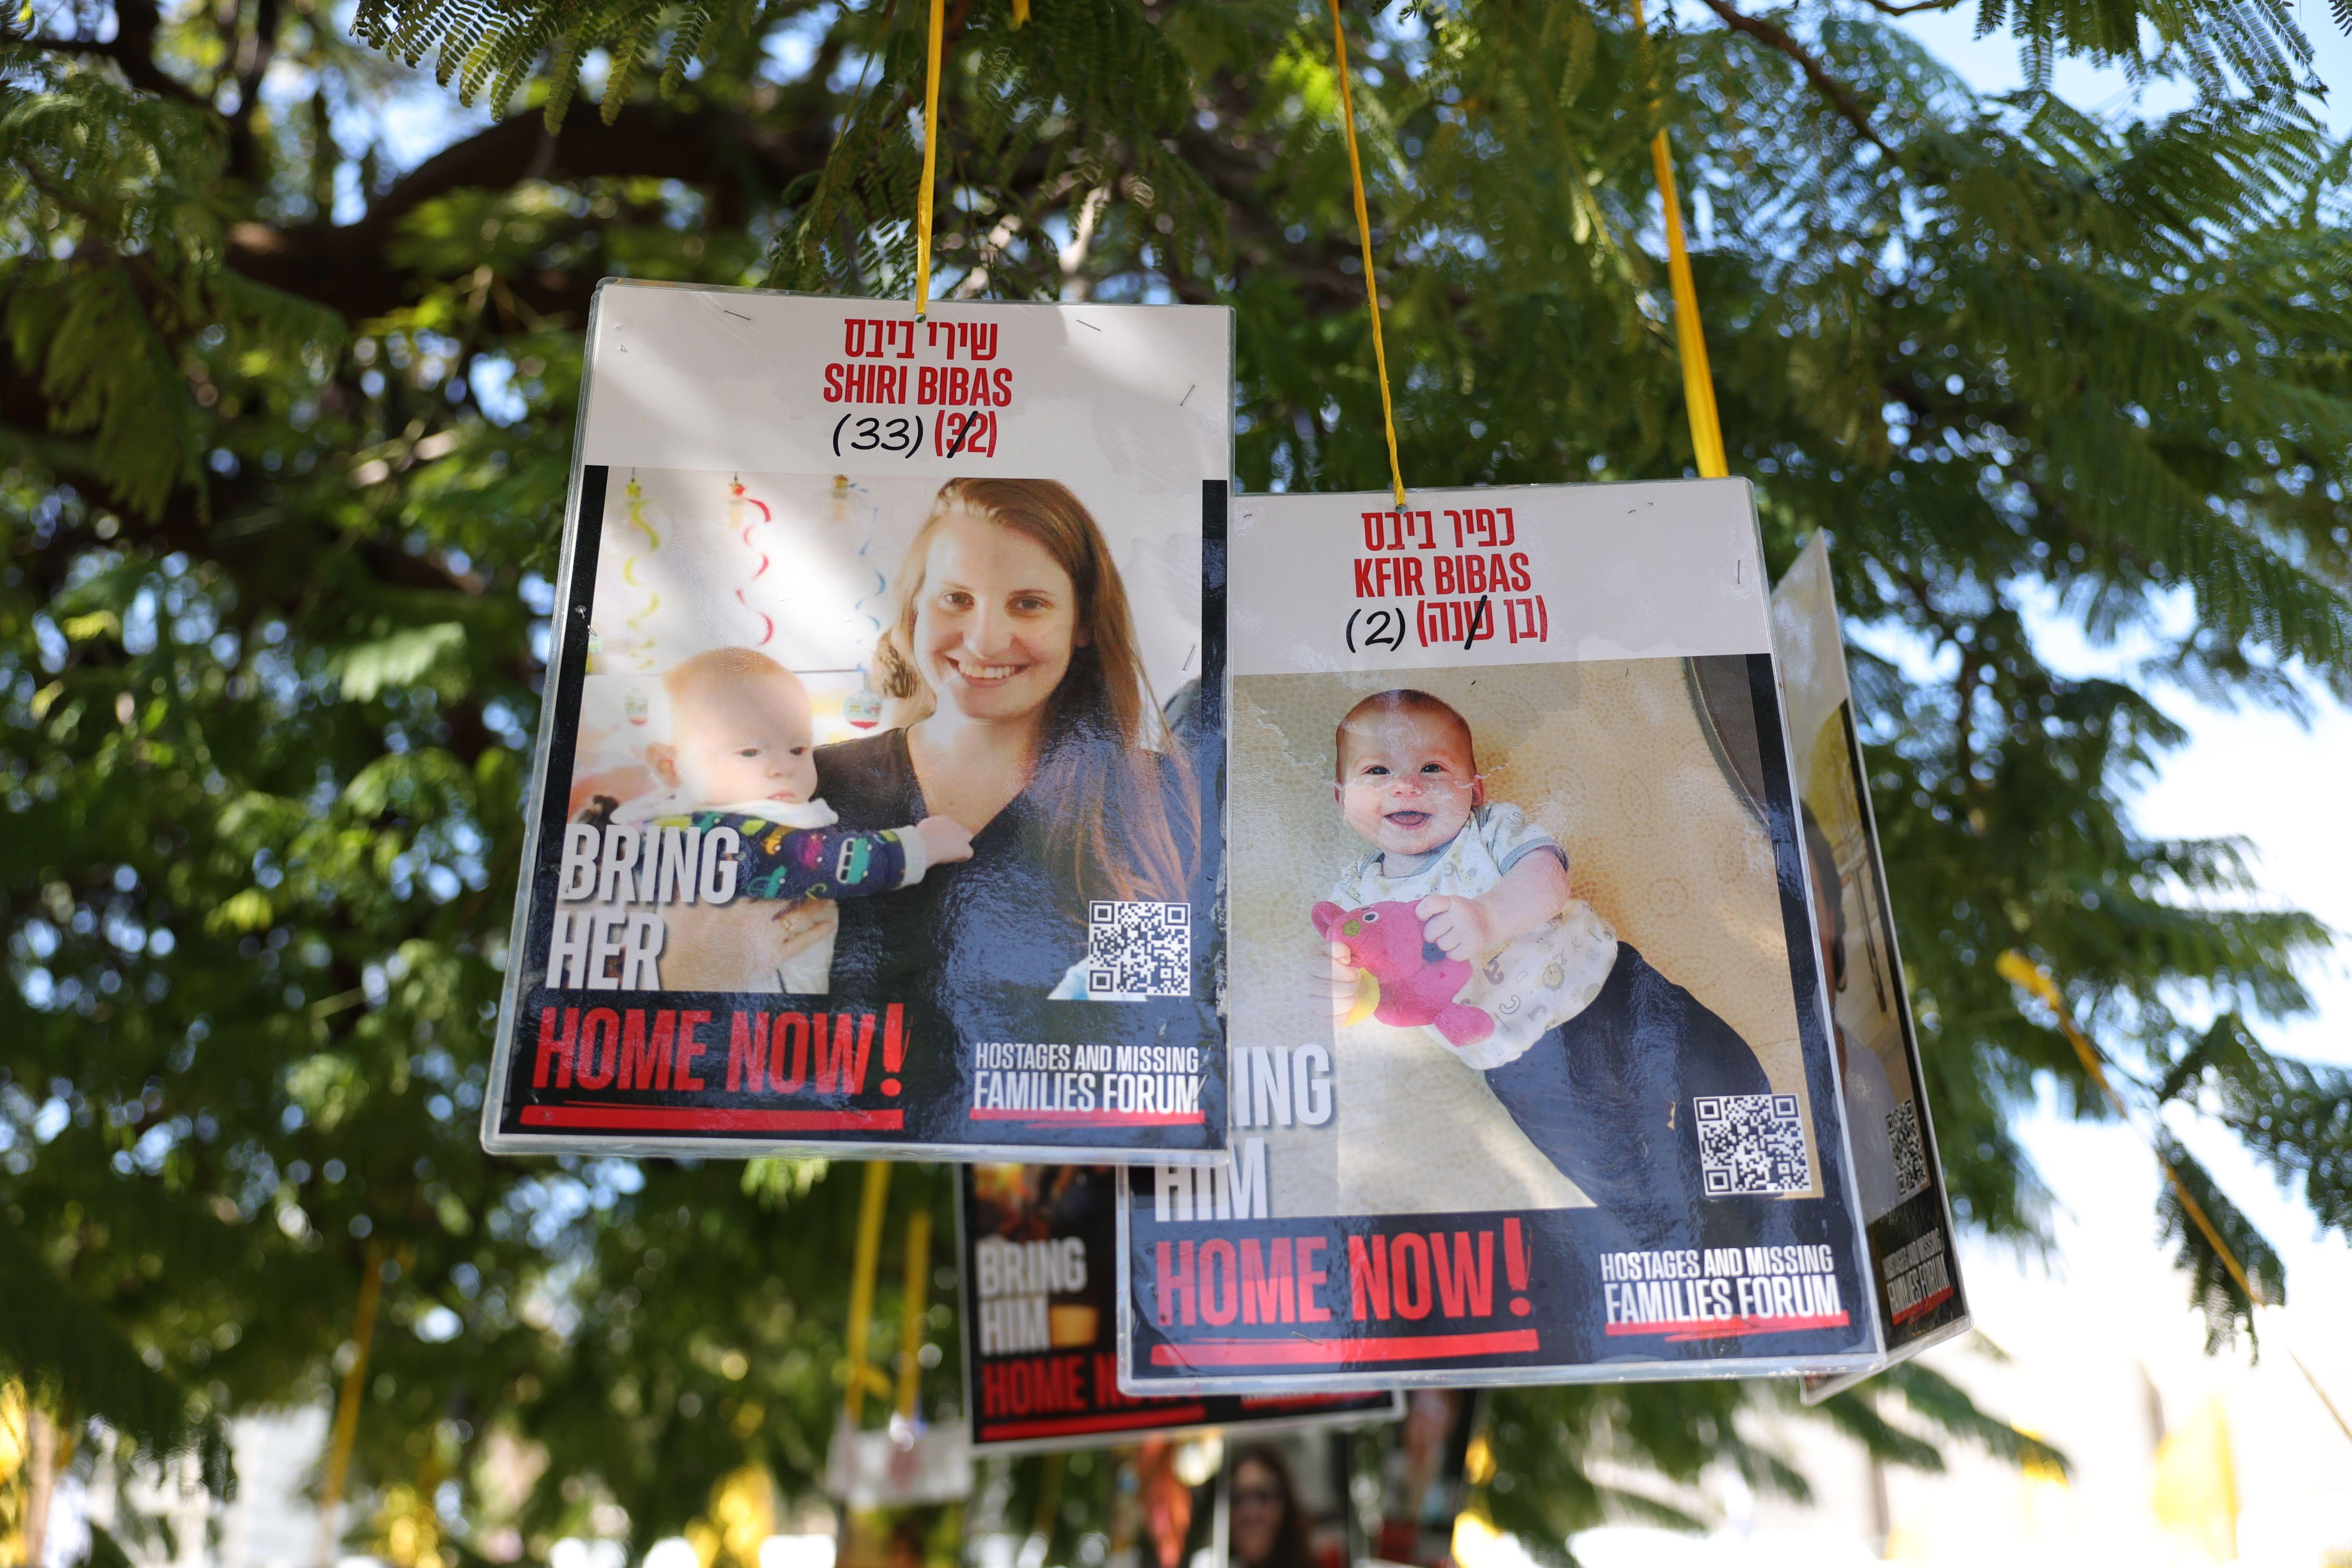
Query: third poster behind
point(1041, 1354)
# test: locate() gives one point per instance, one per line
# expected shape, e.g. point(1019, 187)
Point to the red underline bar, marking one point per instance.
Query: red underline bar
point(1724, 1328)
point(1201, 1353)
point(1094, 1117)
point(1930, 1305)
point(1290, 1404)
point(710, 1119)
point(1074, 1425)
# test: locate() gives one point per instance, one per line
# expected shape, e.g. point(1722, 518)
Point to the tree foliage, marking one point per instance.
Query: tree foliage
point(284, 409)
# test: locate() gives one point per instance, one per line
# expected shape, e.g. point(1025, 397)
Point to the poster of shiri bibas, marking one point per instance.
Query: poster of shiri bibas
point(1532, 1080)
point(1040, 1247)
point(1915, 1271)
point(879, 790)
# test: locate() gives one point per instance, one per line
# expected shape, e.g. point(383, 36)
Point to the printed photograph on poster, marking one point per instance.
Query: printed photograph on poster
point(1532, 1078)
point(1041, 1345)
point(1394, 1496)
point(1915, 1270)
point(882, 764)
point(1158, 1502)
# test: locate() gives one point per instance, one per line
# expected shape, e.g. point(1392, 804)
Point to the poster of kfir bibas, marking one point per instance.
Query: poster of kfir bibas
point(1532, 1080)
point(879, 790)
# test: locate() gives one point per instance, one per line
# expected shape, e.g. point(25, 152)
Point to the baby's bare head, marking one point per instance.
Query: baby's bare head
point(1406, 771)
point(741, 729)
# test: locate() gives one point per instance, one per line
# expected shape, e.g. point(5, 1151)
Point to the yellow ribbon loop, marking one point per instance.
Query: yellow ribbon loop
point(864, 1262)
point(911, 1313)
point(1364, 232)
point(1690, 343)
point(2036, 982)
point(930, 162)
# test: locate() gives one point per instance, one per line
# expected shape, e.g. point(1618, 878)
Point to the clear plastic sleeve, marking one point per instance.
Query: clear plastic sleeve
point(1532, 1080)
point(1914, 1270)
point(877, 803)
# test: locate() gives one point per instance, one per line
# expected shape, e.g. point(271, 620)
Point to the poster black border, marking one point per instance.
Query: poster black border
point(1831, 1147)
point(501, 1128)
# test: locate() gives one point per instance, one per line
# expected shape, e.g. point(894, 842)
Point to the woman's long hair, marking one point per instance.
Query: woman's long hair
point(1108, 831)
point(1291, 1548)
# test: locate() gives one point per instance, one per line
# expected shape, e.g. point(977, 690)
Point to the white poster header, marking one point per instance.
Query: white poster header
point(1535, 574)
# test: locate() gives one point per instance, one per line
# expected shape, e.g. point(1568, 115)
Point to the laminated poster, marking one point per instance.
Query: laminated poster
point(879, 776)
point(1532, 1078)
point(1914, 1274)
point(1040, 1346)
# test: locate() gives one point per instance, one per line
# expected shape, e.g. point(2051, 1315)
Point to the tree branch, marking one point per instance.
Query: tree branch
point(1841, 96)
point(278, 566)
point(137, 68)
point(346, 268)
point(252, 56)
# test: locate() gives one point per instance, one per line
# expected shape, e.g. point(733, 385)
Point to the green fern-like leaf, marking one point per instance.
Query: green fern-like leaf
point(2214, 1288)
point(71, 1360)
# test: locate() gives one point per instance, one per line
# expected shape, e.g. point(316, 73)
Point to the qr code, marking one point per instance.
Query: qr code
point(1137, 951)
point(1903, 1143)
point(1752, 1143)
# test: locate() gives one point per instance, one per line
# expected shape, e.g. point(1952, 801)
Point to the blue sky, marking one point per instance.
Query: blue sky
point(1991, 65)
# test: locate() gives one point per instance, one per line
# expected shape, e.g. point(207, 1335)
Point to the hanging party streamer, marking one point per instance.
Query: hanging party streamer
point(838, 499)
point(863, 708)
point(743, 525)
point(881, 584)
point(642, 646)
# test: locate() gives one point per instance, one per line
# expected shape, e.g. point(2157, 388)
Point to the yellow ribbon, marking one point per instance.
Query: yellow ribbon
point(930, 162)
point(1699, 383)
point(864, 1262)
point(347, 1403)
point(911, 1313)
point(2031, 978)
point(1364, 232)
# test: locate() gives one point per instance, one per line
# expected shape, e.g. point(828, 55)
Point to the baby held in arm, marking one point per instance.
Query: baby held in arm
point(740, 756)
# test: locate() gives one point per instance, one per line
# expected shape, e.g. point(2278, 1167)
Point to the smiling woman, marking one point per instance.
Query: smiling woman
point(1024, 715)
point(1014, 660)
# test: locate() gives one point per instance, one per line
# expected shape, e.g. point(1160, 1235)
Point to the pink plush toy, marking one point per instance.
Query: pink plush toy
point(1413, 981)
